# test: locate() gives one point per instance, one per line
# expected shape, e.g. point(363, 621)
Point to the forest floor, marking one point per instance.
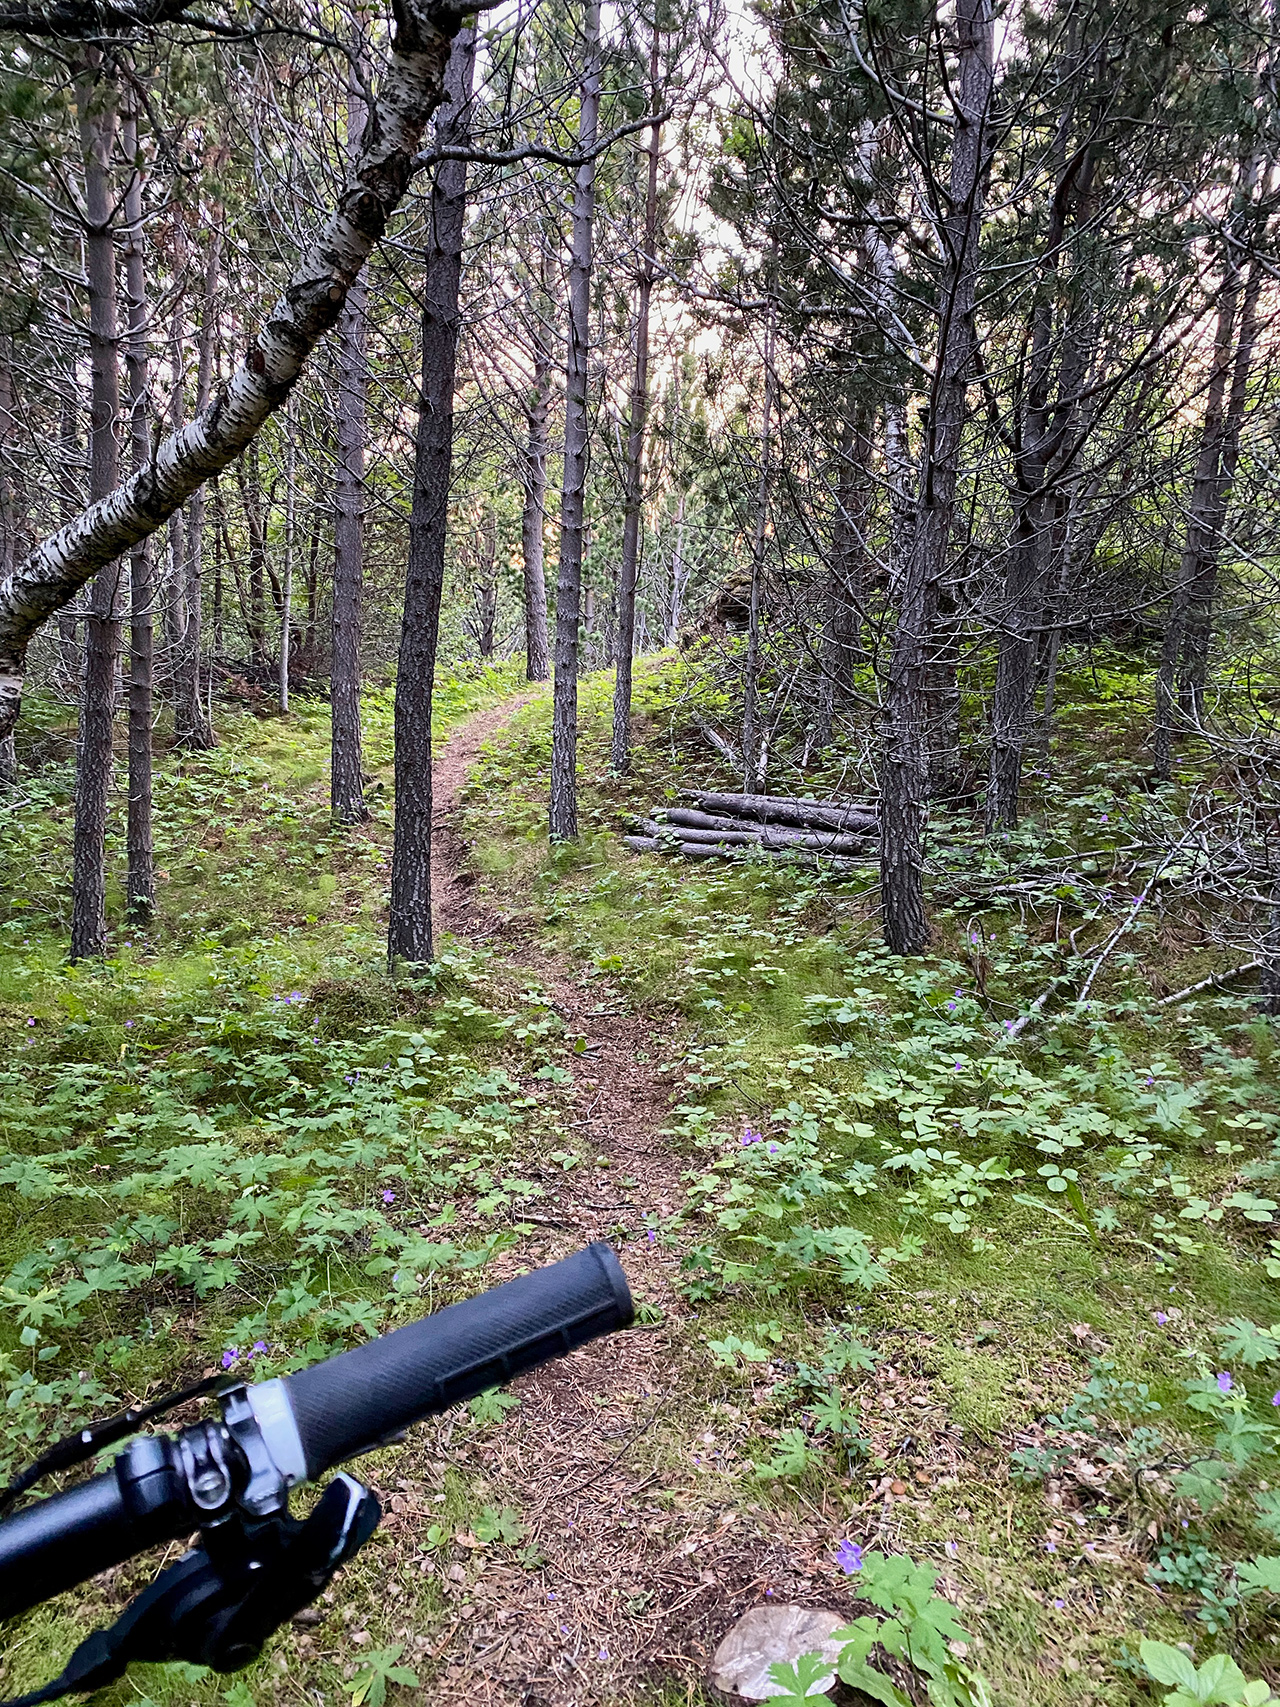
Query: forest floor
point(1006, 1307)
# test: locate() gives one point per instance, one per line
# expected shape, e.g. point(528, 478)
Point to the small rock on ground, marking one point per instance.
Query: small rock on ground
point(766, 1636)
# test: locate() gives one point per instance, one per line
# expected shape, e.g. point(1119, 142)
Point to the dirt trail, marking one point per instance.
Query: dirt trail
point(641, 1573)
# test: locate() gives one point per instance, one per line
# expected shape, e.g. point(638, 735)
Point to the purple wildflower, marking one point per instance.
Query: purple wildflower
point(260, 1348)
point(773, 1148)
point(849, 1557)
point(1275, 1398)
point(1161, 1318)
point(751, 1136)
point(230, 1357)
point(1059, 1604)
point(1051, 1546)
point(388, 1197)
point(128, 1023)
point(1225, 1383)
point(953, 1551)
point(651, 1236)
point(31, 1022)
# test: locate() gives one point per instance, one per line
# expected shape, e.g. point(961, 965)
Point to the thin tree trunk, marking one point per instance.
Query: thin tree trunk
point(534, 481)
point(308, 307)
point(346, 771)
point(140, 885)
point(191, 725)
point(632, 516)
point(70, 656)
point(563, 814)
point(219, 529)
point(249, 480)
point(906, 734)
point(8, 520)
point(679, 576)
point(755, 750)
point(95, 98)
point(1037, 465)
point(1197, 570)
point(1202, 588)
point(175, 604)
point(409, 933)
point(290, 514)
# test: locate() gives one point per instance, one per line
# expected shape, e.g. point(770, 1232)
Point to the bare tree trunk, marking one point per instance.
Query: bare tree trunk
point(175, 604)
point(70, 656)
point(563, 815)
point(309, 306)
point(906, 735)
point(249, 480)
point(534, 481)
point(679, 576)
point(1040, 438)
point(140, 885)
point(1205, 535)
point(8, 521)
point(191, 726)
point(346, 778)
point(845, 589)
point(755, 749)
point(409, 935)
point(631, 524)
point(1197, 571)
point(219, 530)
point(95, 98)
point(290, 516)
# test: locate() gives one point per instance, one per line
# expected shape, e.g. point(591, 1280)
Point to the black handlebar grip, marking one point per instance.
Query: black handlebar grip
point(355, 1400)
point(61, 1541)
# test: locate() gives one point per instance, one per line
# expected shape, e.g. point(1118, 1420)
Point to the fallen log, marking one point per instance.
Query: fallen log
point(717, 850)
point(743, 833)
point(778, 809)
point(687, 817)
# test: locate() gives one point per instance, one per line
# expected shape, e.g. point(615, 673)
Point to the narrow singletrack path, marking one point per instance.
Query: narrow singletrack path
point(643, 1563)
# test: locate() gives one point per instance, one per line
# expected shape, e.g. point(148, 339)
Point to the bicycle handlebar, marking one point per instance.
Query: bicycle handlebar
point(291, 1430)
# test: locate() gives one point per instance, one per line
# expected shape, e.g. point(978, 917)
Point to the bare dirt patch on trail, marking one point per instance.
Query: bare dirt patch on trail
point(638, 1550)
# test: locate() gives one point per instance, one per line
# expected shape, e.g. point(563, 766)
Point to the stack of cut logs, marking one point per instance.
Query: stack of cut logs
point(715, 825)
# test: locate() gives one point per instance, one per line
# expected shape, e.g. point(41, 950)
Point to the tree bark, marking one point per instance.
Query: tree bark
point(1184, 657)
point(1038, 464)
point(537, 646)
point(632, 515)
point(907, 731)
point(409, 936)
point(563, 814)
point(140, 887)
point(96, 101)
point(312, 300)
point(8, 520)
point(290, 522)
point(347, 754)
point(755, 746)
point(191, 725)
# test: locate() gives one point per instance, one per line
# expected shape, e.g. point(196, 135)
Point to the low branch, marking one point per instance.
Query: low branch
point(311, 303)
point(539, 151)
point(1214, 983)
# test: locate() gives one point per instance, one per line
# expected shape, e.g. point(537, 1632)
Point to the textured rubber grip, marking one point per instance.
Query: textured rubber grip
point(359, 1398)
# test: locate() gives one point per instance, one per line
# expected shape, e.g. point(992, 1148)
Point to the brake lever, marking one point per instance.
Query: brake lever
point(218, 1605)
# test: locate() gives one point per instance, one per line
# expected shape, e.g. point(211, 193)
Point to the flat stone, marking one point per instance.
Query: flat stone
point(767, 1635)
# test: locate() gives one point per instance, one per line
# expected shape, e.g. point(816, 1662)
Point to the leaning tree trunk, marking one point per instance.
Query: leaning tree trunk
point(409, 934)
point(191, 725)
point(906, 735)
point(312, 301)
point(140, 887)
point(563, 815)
point(631, 523)
point(98, 119)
